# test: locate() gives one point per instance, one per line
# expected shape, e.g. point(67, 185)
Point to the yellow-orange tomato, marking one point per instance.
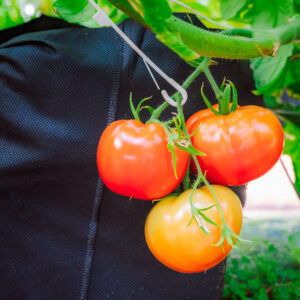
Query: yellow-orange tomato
point(188, 249)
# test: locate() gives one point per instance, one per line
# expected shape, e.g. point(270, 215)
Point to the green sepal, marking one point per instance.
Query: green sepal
point(163, 198)
point(132, 108)
point(178, 127)
point(206, 208)
point(149, 108)
point(225, 102)
point(191, 149)
point(171, 148)
point(208, 104)
point(204, 230)
point(139, 107)
point(220, 242)
point(207, 219)
point(223, 84)
point(193, 133)
point(234, 98)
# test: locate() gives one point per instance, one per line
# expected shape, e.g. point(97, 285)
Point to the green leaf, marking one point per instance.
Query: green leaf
point(292, 78)
point(269, 72)
point(262, 295)
point(297, 6)
point(153, 12)
point(114, 13)
point(81, 11)
point(291, 147)
point(229, 8)
point(74, 11)
point(269, 14)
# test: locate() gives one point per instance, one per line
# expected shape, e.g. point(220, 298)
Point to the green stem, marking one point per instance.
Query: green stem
point(200, 68)
point(158, 111)
point(213, 83)
point(186, 178)
point(191, 42)
point(202, 177)
point(185, 85)
point(200, 174)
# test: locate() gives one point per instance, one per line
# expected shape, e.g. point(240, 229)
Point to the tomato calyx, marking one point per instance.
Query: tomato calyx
point(227, 99)
point(176, 138)
point(231, 238)
point(136, 111)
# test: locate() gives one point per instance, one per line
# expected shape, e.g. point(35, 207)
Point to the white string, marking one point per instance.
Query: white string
point(101, 18)
point(151, 74)
point(200, 15)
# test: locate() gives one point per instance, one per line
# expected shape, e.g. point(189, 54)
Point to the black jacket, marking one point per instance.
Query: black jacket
point(63, 235)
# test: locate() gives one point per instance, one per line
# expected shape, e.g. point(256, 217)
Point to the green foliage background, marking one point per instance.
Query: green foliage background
point(269, 267)
point(276, 78)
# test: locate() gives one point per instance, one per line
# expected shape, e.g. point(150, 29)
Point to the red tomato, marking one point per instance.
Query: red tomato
point(239, 147)
point(188, 249)
point(134, 161)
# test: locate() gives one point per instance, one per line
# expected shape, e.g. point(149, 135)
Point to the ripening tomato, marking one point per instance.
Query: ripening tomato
point(133, 160)
point(188, 249)
point(239, 147)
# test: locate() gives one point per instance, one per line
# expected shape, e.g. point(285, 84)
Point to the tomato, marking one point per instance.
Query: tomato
point(186, 248)
point(133, 160)
point(239, 147)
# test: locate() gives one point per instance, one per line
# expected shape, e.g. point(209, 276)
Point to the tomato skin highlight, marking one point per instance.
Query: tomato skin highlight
point(133, 160)
point(239, 147)
point(188, 249)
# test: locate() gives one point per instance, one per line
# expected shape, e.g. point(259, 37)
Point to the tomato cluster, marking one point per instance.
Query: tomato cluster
point(134, 160)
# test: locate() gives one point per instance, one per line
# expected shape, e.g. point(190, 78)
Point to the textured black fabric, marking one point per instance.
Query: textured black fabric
point(62, 234)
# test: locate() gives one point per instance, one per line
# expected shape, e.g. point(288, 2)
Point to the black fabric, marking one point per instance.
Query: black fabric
point(63, 235)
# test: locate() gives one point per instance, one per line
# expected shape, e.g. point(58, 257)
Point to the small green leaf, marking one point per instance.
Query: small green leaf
point(153, 12)
point(74, 11)
point(269, 72)
point(269, 14)
point(139, 107)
